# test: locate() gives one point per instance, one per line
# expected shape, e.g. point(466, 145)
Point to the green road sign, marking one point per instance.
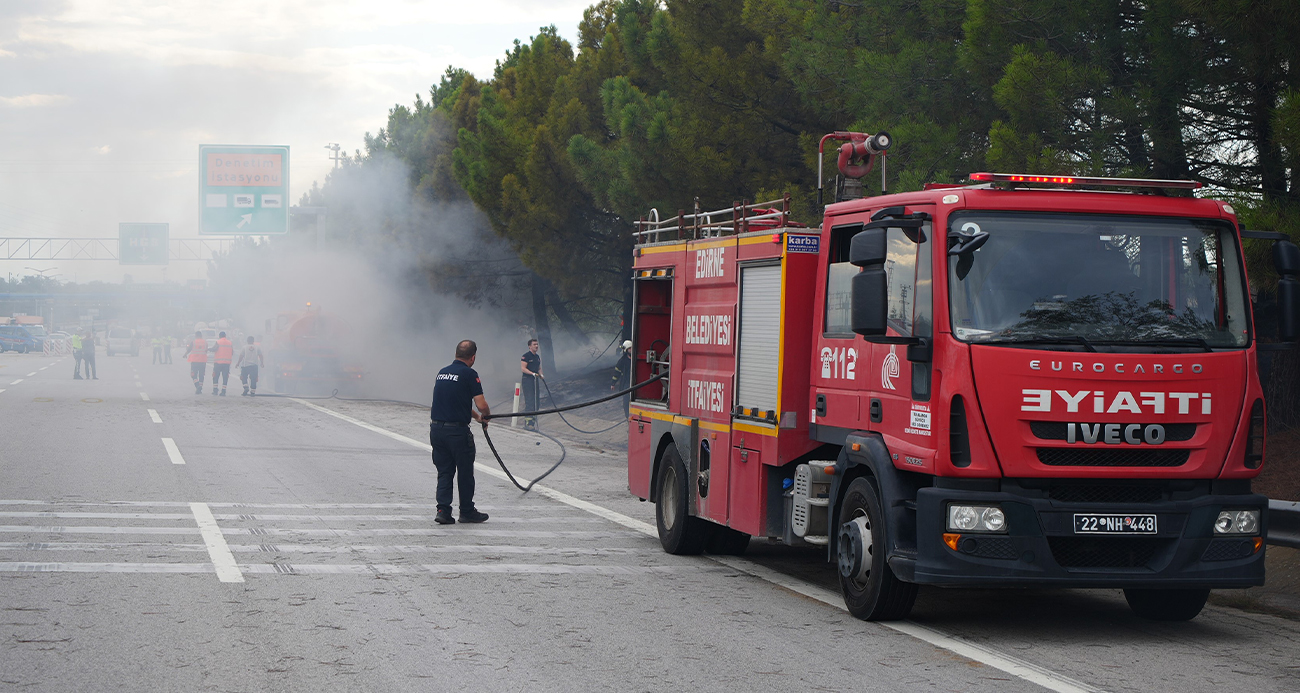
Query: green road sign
point(142, 244)
point(243, 189)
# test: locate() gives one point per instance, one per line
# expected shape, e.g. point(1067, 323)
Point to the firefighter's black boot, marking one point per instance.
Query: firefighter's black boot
point(223, 392)
point(198, 387)
point(214, 389)
point(444, 518)
point(473, 516)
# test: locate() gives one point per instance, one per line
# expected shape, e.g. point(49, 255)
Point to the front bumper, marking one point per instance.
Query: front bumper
point(1042, 549)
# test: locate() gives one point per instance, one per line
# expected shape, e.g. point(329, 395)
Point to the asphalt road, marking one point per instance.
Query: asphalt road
point(290, 545)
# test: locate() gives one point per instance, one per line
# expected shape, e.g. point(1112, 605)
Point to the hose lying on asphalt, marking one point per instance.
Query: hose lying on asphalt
point(555, 410)
point(564, 452)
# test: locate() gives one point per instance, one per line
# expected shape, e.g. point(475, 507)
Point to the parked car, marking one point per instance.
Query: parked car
point(18, 338)
point(122, 340)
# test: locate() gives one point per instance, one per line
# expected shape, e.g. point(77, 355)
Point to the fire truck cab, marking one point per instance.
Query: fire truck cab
point(1025, 381)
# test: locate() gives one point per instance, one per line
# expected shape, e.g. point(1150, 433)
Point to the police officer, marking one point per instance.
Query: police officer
point(457, 386)
point(531, 381)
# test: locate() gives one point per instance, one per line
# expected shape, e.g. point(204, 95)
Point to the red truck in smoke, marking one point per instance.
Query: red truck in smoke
point(1024, 381)
point(306, 354)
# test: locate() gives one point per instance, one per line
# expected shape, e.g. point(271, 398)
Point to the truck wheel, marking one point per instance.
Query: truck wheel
point(727, 542)
point(1166, 605)
point(679, 533)
point(871, 590)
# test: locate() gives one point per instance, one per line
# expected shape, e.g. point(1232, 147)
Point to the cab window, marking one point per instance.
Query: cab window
point(908, 266)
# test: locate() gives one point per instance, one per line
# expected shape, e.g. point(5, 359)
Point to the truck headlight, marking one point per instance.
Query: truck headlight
point(976, 518)
point(1237, 522)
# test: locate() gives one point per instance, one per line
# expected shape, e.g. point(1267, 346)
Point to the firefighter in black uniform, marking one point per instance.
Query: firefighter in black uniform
point(457, 387)
point(531, 382)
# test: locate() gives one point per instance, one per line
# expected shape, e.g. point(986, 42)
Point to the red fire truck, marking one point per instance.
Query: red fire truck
point(1024, 381)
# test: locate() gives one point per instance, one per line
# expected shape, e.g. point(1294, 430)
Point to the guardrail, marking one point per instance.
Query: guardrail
point(1284, 523)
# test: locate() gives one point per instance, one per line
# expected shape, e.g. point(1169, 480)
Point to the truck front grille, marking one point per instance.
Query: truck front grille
point(1093, 457)
point(1056, 430)
point(1105, 552)
point(1106, 493)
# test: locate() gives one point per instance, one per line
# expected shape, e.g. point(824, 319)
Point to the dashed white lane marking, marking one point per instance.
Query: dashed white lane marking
point(1003, 662)
point(227, 569)
point(172, 451)
point(31, 374)
point(138, 383)
point(42, 368)
point(16, 381)
point(348, 569)
point(22, 567)
point(153, 414)
point(1, 390)
point(260, 517)
point(280, 547)
point(144, 397)
point(315, 532)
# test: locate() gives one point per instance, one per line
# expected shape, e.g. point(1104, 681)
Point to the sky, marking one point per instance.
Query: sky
point(103, 104)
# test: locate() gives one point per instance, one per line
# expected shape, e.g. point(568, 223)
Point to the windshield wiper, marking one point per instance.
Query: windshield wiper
point(1071, 339)
point(1162, 341)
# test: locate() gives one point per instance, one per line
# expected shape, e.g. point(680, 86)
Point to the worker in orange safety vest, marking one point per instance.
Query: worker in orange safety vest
point(221, 369)
point(197, 355)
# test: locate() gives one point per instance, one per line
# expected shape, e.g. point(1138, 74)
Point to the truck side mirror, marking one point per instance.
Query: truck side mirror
point(869, 292)
point(867, 248)
point(869, 299)
point(1286, 260)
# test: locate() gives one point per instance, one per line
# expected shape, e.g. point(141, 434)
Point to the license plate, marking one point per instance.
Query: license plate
point(1114, 524)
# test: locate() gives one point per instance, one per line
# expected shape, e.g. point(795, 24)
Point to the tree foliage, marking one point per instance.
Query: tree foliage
point(661, 103)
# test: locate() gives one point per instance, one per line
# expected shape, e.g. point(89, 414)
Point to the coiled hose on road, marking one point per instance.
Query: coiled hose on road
point(564, 452)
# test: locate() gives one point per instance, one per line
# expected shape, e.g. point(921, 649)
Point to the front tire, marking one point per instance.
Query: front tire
point(1166, 605)
point(871, 590)
point(679, 532)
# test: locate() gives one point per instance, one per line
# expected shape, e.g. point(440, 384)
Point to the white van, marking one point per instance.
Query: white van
point(122, 340)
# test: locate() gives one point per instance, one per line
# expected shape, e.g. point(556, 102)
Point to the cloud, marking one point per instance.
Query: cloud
point(102, 150)
point(33, 100)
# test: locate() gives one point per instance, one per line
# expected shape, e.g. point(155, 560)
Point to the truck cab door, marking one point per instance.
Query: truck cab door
point(900, 375)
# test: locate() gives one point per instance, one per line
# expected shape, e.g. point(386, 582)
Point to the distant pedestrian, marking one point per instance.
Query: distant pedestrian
point(157, 343)
point(88, 355)
point(167, 348)
point(457, 387)
point(222, 357)
point(531, 382)
point(250, 359)
point(75, 340)
point(197, 354)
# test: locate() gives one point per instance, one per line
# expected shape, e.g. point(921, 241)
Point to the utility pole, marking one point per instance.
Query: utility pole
point(335, 156)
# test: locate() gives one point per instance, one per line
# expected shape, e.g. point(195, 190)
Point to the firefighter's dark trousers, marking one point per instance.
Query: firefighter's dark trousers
point(221, 371)
point(453, 456)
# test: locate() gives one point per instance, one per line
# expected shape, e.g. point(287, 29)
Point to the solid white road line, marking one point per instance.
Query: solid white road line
point(144, 397)
point(172, 451)
point(153, 414)
point(1003, 662)
point(222, 559)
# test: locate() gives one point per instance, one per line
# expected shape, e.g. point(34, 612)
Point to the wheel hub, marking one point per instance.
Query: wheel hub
point(855, 549)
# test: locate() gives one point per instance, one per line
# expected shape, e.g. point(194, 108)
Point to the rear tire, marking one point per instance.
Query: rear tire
point(727, 542)
point(1166, 605)
point(679, 532)
point(871, 590)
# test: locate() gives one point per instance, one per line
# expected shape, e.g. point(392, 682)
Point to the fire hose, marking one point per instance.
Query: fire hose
point(555, 410)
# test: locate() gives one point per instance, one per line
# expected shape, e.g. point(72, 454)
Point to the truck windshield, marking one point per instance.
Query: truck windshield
point(1098, 279)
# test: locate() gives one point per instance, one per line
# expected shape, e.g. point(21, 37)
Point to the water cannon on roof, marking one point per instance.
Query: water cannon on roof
point(857, 155)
